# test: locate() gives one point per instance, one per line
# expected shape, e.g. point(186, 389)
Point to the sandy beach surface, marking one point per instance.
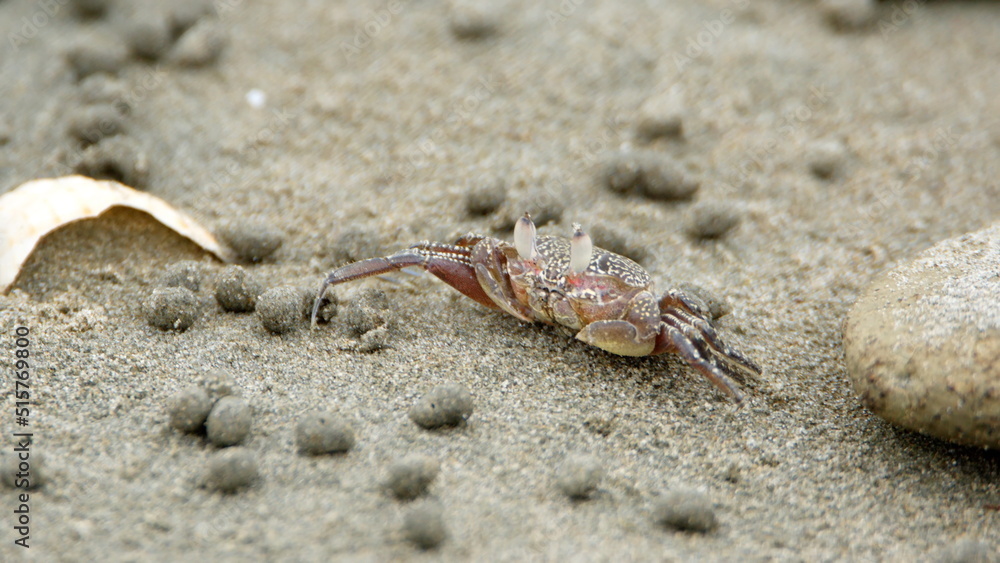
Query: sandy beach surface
point(841, 139)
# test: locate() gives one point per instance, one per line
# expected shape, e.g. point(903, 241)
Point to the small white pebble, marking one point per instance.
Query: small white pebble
point(256, 98)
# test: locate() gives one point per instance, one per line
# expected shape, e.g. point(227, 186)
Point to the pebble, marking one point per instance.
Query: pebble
point(922, 343)
point(186, 273)
point(369, 311)
point(685, 510)
point(711, 220)
point(409, 477)
point(648, 173)
point(445, 405)
point(485, 197)
point(149, 36)
point(189, 408)
point(229, 422)
point(280, 309)
point(90, 124)
point(424, 525)
point(252, 240)
point(231, 470)
point(236, 290)
point(579, 475)
point(218, 384)
point(966, 550)
point(661, 117)
point(172, 308)
point(826, 159)
point(115, 158)
point(849, 15)
point(200, 45)
point(323, 433)
point(472, 21)
point(10, 466)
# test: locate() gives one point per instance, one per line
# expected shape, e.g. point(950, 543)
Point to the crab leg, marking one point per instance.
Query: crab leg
point(450, 263)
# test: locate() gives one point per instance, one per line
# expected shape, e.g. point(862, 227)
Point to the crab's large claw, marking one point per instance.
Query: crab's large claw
point(451, 264)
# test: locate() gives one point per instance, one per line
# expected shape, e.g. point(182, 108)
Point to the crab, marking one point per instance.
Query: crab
point(601, 298)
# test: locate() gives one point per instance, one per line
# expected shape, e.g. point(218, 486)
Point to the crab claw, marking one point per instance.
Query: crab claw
point(580, 250)
point(524, 238)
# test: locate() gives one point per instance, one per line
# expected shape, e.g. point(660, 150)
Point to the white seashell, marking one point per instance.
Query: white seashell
point(38, 207)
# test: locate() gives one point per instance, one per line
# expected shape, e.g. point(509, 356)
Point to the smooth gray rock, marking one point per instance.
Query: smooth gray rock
point(923, 342)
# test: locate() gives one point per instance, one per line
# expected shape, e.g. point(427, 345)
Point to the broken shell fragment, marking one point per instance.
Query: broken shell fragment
point(38, 207)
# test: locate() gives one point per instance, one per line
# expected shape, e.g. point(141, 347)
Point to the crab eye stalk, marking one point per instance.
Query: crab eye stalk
point(524, 238)
point(580, 250)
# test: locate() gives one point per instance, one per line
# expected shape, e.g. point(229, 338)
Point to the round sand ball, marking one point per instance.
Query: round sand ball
point(826, 159)
point(486, 197)
point(229, 421)
point(579, 475)
point(647, 173)
point(252, 241)
point(686, 510)
point(96, 55)
point(188, 409)
point(90, 8)
point(711, 220)
point(922, 342)
point(661, 116)
point(200, 45)
point(409, 477)
point(90, 124)
point(148, 36)
point(183, 14)
point(23, 474)
point(218, 384)
point(279, 309)
point(424, 525)
point(323, 433)
point(231, 470)
point(445, 405)
point(849, 15)
point(967, 550)
point(366, 313)
point(328, 308)
point(172, 308)
point(186, 273)
point(374, 340)
point(115, 158)
point(665, 181)
point(707, 303)
point(472, 21)
point(236, 290)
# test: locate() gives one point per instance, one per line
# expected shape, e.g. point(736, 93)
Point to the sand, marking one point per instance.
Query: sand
point(376, 123)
